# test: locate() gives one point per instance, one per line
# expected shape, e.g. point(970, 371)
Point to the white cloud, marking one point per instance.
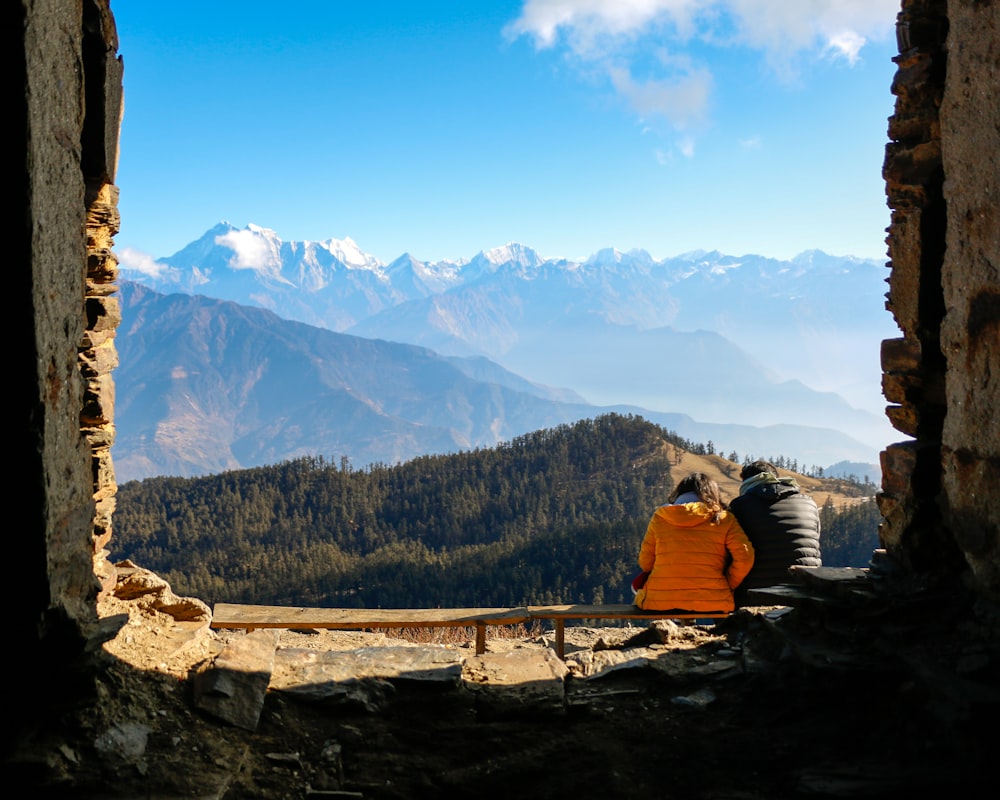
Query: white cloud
point(807, 24)
point(681, 99)
point(588, 23)
point(784, 30)
point(682, 146)
point(130, 258)
point(606, 34)
point(847, 45)
point(250, 251)
point(772, 26)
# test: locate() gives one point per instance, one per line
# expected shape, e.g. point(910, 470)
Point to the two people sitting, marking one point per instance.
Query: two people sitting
point(700, 554)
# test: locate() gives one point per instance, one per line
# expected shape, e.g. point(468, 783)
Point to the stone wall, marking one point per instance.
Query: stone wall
point(970, 331)
point(913, 367)
point(63, 91)
point(940, 496)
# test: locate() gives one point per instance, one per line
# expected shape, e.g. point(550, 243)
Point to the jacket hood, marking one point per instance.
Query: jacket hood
point(768, 486)
point(686, 515)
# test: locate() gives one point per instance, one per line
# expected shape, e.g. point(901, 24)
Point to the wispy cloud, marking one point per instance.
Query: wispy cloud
point(681, 98)
point(250, 251)
point(782, 29)
point(607, 35)
point(132, 259)
point(846, 45)
point(588, 26)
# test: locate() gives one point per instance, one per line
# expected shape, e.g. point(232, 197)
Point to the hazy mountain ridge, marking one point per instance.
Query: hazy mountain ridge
point(208, 385)
point(728, 340)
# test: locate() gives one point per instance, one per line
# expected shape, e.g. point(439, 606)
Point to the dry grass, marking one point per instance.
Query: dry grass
point(461, 635)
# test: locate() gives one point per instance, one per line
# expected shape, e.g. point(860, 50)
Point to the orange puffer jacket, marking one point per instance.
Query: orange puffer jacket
point(694, 564)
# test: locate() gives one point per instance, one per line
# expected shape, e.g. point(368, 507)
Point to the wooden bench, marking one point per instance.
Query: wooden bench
point(230, 615)
point(250, 617)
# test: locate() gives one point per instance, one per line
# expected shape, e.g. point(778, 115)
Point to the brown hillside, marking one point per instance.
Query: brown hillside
point(727, 474)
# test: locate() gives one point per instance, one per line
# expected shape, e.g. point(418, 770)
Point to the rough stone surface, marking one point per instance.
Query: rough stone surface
point(232, 689)
point(518, 682)
point(366, 677)
point(844, 693)
point(970, 331)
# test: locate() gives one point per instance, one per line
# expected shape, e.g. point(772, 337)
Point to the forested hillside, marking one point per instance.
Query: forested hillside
point(553, 516)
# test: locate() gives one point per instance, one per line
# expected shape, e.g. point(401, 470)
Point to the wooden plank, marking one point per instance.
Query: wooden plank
point(233, 615)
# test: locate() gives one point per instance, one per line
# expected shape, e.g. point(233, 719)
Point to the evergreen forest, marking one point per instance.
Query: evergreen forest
point(554, 516)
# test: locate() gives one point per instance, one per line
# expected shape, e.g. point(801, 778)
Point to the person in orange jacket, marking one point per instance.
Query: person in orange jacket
point(694, 550)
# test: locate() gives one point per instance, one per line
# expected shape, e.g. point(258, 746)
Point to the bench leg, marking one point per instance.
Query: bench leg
point(560, 637)
point(480, 638)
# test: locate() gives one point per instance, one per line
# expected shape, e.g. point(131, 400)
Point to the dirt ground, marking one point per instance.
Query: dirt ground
point(792, 720)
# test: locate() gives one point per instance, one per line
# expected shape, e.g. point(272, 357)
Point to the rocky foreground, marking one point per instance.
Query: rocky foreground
point(841, 691)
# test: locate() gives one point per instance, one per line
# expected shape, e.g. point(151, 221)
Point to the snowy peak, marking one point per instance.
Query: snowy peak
point(511, 259)
point(335, 284)
point(253, 248)
point(349, 254)
point(513, 253)
point(417, 278)
point(608, 256)
point(814, 258)
point(611, 257)
point(225, 250)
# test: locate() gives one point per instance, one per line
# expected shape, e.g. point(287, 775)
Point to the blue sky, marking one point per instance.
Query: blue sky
point(446, 128)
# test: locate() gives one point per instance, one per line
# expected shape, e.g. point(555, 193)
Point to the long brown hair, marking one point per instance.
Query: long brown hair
point(707, 489)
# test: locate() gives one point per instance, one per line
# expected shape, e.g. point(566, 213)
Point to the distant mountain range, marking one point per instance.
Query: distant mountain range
point(207, 385)
point(739, 342)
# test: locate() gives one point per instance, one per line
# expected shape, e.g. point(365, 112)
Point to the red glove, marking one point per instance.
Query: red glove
point(639, 581)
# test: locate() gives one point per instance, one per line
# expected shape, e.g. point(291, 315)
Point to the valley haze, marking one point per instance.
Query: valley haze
point(757, 355)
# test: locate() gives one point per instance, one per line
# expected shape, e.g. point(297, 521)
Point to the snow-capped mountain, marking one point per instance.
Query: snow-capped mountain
point(617, 328)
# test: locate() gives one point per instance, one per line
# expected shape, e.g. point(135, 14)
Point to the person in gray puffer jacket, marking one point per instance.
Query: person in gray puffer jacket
point(781, 522)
